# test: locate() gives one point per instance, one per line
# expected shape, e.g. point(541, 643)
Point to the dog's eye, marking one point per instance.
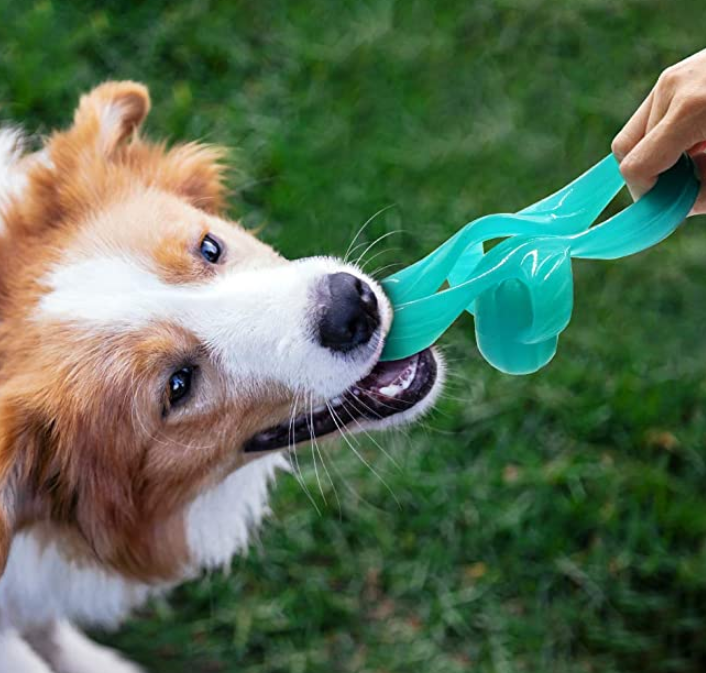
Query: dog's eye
point(180, 385)
point(211, 249)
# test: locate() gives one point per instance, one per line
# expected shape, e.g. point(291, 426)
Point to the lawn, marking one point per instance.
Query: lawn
point(548, 523)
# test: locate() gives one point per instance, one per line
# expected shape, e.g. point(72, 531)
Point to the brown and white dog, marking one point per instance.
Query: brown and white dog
point(153, 359)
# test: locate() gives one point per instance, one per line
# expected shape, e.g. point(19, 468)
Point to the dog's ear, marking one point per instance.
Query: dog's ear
point(58, 463)
point(195, 172)
point(112, 112)
point(79, 164)
point(109, 114)
point(25, 437)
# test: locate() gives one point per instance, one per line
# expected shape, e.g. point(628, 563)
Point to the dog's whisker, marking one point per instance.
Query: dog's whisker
point(294, 458)
point(377, 416)
point(457, 375)
point(361, 427)
point(358, 246)
point(362, 229)
point(379, 239)
point(341, 429)
point(340, 425)
point(397, 429)
point(321, 456)
point(454, 398)
point(377, 272)
point(374, 413)
point(382, 404)
point(378, 254)
point(442, 413)
point(310, 424)
point(296, 472)
point(368, 408)
point(358, 497)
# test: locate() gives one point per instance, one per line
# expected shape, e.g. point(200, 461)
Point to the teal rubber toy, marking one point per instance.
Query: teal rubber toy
point(521, 291)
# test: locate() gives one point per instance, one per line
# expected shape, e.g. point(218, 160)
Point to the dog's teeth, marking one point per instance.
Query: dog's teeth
point(319, 409)
point(401, 384)
point(337, 401)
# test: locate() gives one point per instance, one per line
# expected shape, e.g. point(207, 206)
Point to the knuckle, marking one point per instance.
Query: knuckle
point(629, 168)
point(619, 146)
point(669, 78)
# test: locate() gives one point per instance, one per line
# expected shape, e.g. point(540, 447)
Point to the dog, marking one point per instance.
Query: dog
point(157, 364)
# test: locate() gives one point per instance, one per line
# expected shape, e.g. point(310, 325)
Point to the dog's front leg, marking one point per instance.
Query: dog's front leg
point(67, 650)
point(16, 656)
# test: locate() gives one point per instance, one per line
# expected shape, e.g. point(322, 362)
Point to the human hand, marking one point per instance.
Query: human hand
point(670, 121)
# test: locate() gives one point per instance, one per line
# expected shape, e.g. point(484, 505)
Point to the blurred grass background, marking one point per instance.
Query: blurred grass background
point(555, 522)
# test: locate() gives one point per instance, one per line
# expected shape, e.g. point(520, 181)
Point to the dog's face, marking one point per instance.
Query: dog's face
point(150, 347)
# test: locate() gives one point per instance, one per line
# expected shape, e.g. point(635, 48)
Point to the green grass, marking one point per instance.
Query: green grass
point(551, 523)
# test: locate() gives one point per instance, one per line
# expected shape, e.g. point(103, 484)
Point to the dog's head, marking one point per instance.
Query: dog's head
point(149, 347)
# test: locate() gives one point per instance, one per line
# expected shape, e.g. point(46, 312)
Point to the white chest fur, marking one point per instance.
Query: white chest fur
point(41, 585)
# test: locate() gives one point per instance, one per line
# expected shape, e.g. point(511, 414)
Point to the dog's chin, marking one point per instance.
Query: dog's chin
point(391, 394)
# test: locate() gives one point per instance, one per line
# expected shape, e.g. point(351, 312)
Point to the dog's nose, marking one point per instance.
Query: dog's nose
point(350, 316)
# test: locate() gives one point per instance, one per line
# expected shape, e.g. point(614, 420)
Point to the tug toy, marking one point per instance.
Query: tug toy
point(521, 291)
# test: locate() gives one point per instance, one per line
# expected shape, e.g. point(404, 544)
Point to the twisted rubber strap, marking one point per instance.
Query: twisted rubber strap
point(521, 291)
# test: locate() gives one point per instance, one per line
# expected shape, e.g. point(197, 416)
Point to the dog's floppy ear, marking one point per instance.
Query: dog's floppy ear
point(194, 172)
point(80, 163)
point(109, 114)
point(24, 438)
point(22, 442)
point(113, 112)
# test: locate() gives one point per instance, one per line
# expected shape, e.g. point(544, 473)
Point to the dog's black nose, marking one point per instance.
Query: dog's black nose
point(350, 316)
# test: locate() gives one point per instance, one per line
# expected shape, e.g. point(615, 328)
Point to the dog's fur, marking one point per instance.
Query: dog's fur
point(107, 494)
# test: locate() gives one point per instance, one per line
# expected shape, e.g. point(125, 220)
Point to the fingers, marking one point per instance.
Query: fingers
point(670, 121)
point(663, 97)
point(655, 153)
point(680, 129)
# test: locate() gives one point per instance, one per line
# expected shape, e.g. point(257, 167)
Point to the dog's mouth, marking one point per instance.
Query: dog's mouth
point(390, 389)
